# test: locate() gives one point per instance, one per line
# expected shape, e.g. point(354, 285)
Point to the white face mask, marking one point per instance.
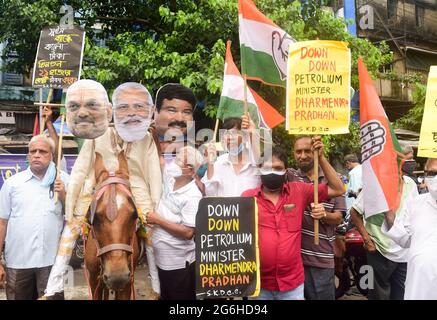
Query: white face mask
point(432, 186)
point(173, 170)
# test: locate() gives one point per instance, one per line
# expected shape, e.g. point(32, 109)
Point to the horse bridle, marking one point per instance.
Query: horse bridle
point(111, 210)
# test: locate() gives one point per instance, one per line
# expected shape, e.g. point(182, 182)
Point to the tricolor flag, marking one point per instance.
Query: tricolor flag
point(263, 46)
point(382, 180)
point(232, 98)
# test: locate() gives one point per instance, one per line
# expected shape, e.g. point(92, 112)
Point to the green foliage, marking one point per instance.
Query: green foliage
point(160, 41)
point(413, 119)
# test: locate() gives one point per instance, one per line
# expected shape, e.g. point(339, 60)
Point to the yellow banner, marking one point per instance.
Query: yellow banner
point(318, 82)
point(428, 132)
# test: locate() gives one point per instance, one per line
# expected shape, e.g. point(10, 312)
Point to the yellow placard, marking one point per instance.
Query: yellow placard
point(318, 82)
point(428, 132)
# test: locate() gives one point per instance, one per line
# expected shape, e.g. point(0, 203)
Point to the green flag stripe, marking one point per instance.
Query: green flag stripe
point(229, 108)
point(258, 64)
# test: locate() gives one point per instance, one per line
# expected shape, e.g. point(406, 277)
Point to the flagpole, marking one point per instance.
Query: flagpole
point(58, 162)
point(245, 95)
point(316, 194)
point(49, 97)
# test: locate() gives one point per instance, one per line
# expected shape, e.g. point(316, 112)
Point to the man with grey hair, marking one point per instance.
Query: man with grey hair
point(416, 229)
point(88, 109)
point(31, 222)
point(133, 111)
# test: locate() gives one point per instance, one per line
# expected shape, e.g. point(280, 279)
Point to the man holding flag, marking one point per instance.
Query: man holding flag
point(383, 190)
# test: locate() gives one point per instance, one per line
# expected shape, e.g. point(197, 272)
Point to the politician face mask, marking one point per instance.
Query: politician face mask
point(133, 110)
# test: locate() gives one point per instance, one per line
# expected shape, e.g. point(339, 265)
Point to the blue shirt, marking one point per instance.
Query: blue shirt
point(35, 222)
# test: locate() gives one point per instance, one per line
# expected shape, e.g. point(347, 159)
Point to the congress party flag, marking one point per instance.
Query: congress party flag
point(232, 98)
point(382, 180)
point(263, 46)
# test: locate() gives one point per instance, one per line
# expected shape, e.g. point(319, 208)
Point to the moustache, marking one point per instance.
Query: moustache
point(131, 119)
point(180, 124)
point(82, 120)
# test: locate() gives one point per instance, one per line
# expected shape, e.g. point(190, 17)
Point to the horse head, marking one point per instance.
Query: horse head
point(113, 220)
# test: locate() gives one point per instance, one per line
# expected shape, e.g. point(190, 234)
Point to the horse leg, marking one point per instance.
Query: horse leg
point(92, 265)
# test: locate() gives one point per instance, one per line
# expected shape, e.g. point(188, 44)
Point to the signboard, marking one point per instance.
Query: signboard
point(318, 87)
point(11, 164)
point(59, 57)
point(227, 257)
point(428, 132)
point(7, 117)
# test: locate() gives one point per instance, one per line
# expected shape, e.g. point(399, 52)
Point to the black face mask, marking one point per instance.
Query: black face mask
point(273, 181)
point(409, 167)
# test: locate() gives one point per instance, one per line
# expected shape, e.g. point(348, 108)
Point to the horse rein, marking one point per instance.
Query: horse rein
point(111, 211)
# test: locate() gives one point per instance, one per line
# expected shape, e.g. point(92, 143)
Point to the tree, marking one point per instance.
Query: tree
point(160, 41)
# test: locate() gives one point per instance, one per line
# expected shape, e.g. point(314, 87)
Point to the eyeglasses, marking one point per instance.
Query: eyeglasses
point(138, 107)
point(430, 174)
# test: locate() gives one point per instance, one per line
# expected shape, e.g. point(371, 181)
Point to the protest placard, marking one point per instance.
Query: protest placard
point(227, 258)
point(428, 132)
point(318, 87)
point(59, 57)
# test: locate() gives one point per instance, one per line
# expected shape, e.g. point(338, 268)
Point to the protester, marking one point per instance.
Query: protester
point(144, 176)
point(387, 259)
point(281, 208)
point(236, 170)
point(318, 260)
point(88, 109)
point(31, 222)
point(355, 179)
point(416, 229)
point(174, 226)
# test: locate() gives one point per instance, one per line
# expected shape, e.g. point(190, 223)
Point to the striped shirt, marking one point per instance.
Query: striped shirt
point(322, 255)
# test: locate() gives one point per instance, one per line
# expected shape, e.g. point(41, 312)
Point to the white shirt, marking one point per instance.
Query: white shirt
point(355, 184)
point(386, 246)
point(227, 183)
point(178, 206)
point(417, 229)
point(34, 221)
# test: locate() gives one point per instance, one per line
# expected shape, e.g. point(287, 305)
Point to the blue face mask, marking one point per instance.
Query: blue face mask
point(236, 151)
point(202, 170)
point(50, 175)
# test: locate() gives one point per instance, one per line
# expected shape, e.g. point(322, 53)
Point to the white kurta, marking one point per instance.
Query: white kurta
point(417, 230)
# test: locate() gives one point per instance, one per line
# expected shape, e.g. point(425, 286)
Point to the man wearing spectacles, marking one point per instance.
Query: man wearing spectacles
point(416, 229)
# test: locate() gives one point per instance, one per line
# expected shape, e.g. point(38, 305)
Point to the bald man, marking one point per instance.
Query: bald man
point(144, 177)
point(88, 109)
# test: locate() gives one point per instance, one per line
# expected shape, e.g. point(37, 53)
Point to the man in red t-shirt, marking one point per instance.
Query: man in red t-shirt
point(281, 206)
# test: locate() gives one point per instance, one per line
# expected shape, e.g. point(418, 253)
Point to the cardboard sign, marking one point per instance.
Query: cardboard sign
point(227, 256)
point(318, 87)
point(428, 132)
point(59, 57)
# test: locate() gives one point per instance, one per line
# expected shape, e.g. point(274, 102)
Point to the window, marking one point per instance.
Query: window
point(420, 16)
point(392, 9)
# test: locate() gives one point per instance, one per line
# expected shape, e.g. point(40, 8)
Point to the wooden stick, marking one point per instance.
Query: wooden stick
point(316, 194)
point(58, 162)
point(246, 108)
point(43, 104)
point(49, 97)
point(214, 138)
point(40, 112)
